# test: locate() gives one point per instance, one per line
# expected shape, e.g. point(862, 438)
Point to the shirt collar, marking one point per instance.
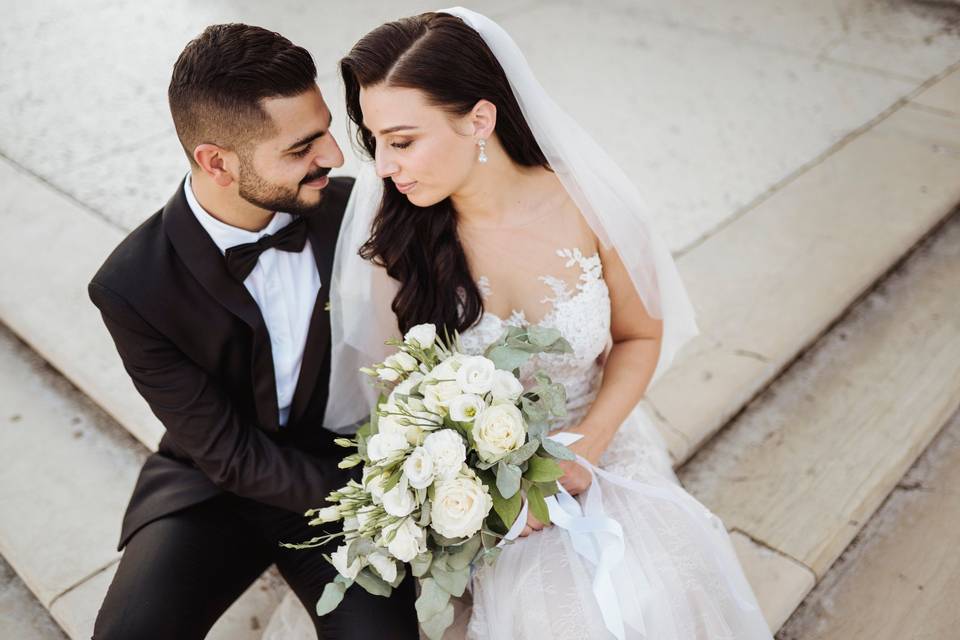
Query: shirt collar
point(225, 235)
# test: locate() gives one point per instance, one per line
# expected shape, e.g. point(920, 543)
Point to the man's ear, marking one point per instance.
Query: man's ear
point(484, 118)
point(215, 162)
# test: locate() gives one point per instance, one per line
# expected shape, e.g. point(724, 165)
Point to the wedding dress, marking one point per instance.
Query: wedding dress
point(671, 584)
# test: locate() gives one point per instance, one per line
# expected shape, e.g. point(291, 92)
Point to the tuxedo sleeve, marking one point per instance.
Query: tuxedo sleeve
point(200, 419)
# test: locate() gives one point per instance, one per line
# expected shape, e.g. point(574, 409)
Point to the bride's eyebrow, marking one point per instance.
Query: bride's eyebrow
point(401, 127)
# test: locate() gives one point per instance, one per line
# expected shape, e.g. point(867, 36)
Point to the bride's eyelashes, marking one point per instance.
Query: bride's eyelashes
point(401, 145)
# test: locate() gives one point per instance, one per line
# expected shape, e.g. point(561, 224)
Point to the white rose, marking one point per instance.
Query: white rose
point(422, 335)
point(384, 565)
point(419, 468)
point(448, 452)
point(498, 431)
point(339, 560)
point(476, 375)
point(459, 506)
point(399, 501)
point(384, 445)
point(408, 542)
point(505, 386)
point(466, 407)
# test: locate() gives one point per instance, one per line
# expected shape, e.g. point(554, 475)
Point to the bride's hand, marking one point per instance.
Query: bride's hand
point(576, 479)
point(532, 525)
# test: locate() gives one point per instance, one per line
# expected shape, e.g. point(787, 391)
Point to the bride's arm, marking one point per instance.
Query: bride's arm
point(627, 371)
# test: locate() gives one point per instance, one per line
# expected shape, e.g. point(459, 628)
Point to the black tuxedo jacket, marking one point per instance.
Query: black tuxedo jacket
point(196, 346)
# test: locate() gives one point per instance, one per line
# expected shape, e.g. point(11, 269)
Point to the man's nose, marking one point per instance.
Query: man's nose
point(330, 154)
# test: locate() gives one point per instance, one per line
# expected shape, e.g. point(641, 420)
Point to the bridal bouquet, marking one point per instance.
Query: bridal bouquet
point(454, 444)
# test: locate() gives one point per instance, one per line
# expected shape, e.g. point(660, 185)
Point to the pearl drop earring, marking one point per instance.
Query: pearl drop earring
point(482, 158)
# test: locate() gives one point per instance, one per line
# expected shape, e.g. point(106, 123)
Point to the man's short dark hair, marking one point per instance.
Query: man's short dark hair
point(222, 75)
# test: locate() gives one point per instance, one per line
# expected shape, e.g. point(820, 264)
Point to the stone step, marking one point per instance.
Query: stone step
point(22, 617)
point(771, 282)
point(901, 577)
point(66, 471)
point(808, 462)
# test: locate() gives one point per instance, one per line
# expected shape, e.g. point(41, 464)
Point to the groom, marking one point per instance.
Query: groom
point(216, 304)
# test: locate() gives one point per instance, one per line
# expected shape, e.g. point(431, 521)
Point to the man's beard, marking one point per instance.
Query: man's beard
point(257, 191)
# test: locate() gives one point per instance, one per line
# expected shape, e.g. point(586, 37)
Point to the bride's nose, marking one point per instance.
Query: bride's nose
point(385, 166)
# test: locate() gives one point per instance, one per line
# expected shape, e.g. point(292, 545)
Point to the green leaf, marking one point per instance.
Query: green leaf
point(453, 582)
point(421, 563)
point(508, 358)
point(538, 506)
point(549, 488)
point(435, 627)
point(433, 598)
point(508, 479)
point(557, 450)
point(543, 470)
point(543, 336)
point(374, 584)
point(332, 595)
point(506, 508)
point(461, 556)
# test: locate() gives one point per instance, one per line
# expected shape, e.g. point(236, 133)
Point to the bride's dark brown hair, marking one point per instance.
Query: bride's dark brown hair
point(441, 56)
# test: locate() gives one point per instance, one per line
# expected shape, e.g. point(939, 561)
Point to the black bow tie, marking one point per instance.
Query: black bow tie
point(242, 258)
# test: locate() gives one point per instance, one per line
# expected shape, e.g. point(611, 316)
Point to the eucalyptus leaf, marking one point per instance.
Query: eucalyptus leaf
point(331, 597)
point(421, 563)
point(549, 488)
point(506, 508)
point(435, 627)
point(522, 454)
point(374, 584)
point(538, 506)
point(433, 599)
point(543, 470)
point(508, 479)
point(543, 336)
point(508, 358)
point(453, 581)
point(463, 554)
point(557, 450)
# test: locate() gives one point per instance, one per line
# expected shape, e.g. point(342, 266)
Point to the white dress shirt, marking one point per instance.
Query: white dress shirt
point(283, 284)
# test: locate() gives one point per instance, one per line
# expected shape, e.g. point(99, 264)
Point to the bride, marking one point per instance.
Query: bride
point(491, 208)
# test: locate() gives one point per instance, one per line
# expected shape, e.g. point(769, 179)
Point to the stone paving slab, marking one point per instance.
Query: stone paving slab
point(768, 284)
point(708, 118)
point(901, 578)
point(56, 250)
point(944, 95)
point(22, 617)
point(813, 457)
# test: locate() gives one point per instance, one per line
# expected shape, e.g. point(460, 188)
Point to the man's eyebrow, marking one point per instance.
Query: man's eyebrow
point(310, 138)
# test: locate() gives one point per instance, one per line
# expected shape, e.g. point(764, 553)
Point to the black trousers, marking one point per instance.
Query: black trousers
point(178, 574)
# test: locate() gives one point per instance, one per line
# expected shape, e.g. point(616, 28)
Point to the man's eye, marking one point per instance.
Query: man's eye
point(301, 152)
point(402, 145)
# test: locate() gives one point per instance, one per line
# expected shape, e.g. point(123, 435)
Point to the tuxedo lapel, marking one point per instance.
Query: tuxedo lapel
point(204, 260)
point(323, 240)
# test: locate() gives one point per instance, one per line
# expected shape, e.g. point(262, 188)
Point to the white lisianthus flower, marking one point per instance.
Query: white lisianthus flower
point(327, 514)
point(388, 375)
point(448, 451)
point(375, 486)
point(436, 395)
point(499, 430)
point(392, 423)
point(475, 375)
point(399, 501)
point(459, 506)
point(384, 564)
point(407, 387)
point(405, 361)
point(419, 468)
point(384, 445)
point(408, 542)
point(422, 335)
point(339, 560)
point(505, 387)
point(466, 407)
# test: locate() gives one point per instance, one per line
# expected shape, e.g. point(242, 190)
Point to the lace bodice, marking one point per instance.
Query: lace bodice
point(581, 314)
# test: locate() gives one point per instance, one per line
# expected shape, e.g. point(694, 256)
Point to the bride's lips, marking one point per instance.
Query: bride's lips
point(405, 187)
point(319, 183)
